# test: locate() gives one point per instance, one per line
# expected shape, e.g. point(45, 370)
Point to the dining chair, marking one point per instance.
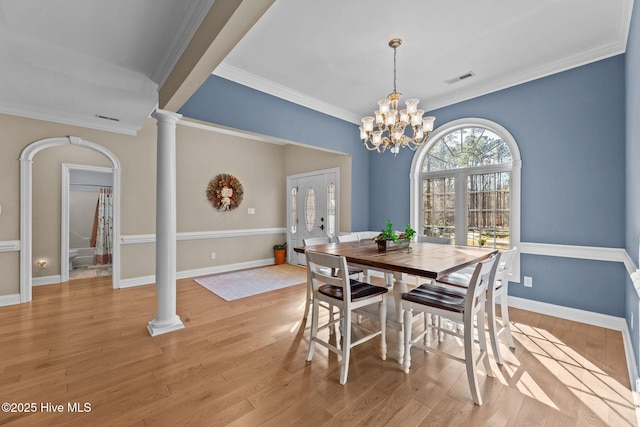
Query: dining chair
point(466, 308)
point(347, 295)
point(323, 240)
point(435, 239)
point(367, 235)
point(309, 301)
point(353, 268)
point(497, 294)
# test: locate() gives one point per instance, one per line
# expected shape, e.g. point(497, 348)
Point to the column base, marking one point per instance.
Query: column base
point(158, 328)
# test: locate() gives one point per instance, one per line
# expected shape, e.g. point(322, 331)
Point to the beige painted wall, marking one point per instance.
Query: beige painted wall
point(300, 159)
point(201, 154)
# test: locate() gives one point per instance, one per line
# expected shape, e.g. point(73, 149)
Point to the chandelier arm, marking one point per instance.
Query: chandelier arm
point(366, 145)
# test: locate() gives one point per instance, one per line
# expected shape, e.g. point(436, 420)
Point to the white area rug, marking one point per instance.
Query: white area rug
point(245, 283)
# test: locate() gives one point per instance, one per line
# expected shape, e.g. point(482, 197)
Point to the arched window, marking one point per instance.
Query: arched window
point(465, 185)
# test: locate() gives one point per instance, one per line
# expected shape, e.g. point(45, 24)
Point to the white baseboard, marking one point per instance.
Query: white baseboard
point(10, 299)
point(631, 360)
point(147, 280)
point(46, 280)
point(574, 314)
point(225, 268)
point(590, 318)
point(137, 281)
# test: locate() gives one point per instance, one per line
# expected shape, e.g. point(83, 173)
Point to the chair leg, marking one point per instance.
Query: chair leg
point(407, 325)
point(346, 346)
point(332, 328)
point(493, 331)
point(314, 329)
point(482, 339)
point(383, 327)
point(470, 363)
point(309, 302)
point(506, 323)
point(427, 323)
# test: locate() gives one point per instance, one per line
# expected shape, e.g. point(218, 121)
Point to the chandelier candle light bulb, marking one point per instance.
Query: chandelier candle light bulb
point(391, 123)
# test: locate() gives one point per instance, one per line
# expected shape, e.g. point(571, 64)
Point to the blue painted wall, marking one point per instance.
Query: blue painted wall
point(570, 131)
point(632, 62)
point(219, 101)
point(570, 128)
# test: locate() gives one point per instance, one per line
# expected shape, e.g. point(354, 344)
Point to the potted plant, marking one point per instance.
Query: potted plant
point(280, 252)
point(389, 239)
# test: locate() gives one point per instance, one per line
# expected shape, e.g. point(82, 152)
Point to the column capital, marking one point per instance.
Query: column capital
point(165, 116)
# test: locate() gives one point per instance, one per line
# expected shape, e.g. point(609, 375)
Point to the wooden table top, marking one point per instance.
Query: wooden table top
point(431, 260)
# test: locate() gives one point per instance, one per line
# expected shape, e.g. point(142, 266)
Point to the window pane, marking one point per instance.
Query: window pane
point(331, 211)
point(438, 214)
point(310, 210)
point(488, 210)
point(465, 148)
point(294, 210)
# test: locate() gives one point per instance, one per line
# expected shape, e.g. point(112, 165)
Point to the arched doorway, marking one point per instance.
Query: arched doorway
point(26, 207)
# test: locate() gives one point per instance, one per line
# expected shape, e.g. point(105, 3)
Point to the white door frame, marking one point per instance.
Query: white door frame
point(291, 255)
point(26, 207)
point(65, 189)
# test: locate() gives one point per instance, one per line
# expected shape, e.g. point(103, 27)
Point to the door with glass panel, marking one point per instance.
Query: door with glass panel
point(311, 209)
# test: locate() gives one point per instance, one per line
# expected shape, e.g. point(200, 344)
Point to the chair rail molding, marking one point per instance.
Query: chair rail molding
point(131, 239)
point(9, 246)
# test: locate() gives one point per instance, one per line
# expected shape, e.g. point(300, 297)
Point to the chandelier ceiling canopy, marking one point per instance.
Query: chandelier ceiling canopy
point(390, 124)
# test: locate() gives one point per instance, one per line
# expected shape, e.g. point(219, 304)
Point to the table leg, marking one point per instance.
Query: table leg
point(399, 288)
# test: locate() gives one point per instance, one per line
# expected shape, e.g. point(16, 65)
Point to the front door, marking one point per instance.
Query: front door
point(312, 209)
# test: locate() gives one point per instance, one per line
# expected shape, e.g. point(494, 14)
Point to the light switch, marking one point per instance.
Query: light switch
point(251, 211)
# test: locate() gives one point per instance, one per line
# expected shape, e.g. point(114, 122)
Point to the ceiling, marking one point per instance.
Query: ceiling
point(103, 64)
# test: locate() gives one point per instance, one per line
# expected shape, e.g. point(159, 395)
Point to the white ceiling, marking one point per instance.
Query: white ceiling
point(74, 60)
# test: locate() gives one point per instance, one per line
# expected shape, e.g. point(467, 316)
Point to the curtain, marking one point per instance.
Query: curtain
point(102, 235)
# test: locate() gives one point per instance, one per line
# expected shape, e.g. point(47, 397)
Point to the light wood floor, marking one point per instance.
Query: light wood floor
point(243, 363)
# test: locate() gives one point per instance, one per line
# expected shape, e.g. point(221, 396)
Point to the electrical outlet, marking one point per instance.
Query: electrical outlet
point(528, 282)
point(213, 255)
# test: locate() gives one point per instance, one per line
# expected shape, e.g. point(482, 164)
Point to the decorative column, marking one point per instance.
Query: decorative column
point(167, 320)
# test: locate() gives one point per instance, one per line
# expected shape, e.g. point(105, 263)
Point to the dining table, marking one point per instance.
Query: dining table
point(420, 259)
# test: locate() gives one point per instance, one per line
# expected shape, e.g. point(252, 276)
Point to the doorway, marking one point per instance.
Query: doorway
point(86, 234)
point(26, 208)
point(312, 209)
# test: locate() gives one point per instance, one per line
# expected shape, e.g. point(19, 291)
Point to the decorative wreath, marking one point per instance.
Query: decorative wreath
point(225, 192)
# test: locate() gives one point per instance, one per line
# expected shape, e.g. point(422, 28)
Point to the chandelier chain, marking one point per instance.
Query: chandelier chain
point(394, 69)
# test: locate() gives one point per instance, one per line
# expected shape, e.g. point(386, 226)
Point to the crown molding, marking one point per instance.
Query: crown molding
point(197, 13)
point(234, 132)
point(599, 53)
point(244, 78)
point(57, 116)
point(505, 82)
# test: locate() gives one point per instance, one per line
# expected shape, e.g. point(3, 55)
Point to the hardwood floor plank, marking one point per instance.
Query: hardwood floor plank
point(243, 363)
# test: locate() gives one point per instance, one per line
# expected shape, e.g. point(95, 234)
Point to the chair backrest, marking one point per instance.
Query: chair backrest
point(316, 241)
point(367, 235)
point(319, 267)
point(348, 237)
point(434, 239)
point(480, 280)
point(505, 265)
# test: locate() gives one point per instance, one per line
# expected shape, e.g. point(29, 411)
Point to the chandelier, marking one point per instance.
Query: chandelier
point(390, 124)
